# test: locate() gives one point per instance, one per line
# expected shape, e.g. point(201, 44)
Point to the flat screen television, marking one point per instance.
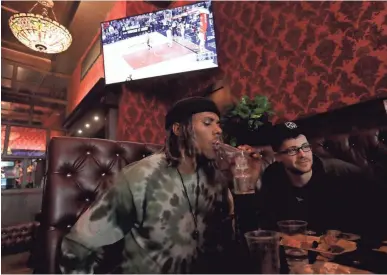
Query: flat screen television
point(159, 43)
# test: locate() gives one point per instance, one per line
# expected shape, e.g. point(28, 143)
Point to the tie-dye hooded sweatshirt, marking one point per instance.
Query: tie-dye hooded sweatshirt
point(147, 209)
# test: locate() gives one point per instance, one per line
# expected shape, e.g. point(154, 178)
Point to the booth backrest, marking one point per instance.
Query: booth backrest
point(79, 171)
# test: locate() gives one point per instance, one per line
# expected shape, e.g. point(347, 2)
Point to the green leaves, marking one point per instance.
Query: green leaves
point(251, 109)
point(249, 114)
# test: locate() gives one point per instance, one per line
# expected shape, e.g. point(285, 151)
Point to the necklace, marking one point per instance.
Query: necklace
point(195, 233)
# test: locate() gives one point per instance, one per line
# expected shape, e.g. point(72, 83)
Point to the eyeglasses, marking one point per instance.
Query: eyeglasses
point(292, 151)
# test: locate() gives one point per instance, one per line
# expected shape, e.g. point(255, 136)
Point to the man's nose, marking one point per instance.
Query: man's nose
point(300, 152)
point(218, 130)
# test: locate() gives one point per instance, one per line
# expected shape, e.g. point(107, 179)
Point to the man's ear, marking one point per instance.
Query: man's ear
point(176, 129)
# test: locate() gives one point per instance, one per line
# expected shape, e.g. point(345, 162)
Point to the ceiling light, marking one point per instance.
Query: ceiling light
point(39, 32)
point(79, 131)
point(87, 125)
point(96, 118)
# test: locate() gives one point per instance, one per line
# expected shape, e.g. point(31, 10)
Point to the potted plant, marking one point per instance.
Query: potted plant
point(248, 121)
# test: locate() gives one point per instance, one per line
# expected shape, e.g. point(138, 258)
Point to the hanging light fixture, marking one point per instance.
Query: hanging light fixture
point(39, 32)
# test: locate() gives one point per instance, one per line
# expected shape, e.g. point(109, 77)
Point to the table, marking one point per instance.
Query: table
point(363, 258)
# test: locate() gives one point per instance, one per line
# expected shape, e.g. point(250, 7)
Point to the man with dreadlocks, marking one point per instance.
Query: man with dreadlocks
point(166, 207)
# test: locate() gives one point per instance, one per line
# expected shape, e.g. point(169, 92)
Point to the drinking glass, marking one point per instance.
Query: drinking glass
point(228, 155)
point(242, 177)
point(293, 238)
point(264, 251)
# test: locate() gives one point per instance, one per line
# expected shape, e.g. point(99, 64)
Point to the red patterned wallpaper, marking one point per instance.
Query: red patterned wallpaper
point(307, 57)
point(27, 139)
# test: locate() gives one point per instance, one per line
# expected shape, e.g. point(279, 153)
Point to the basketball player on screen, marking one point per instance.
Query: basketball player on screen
point(148, 34)
point(169, 35)
point(174, 29)
point(203, 16)
point(203, 25)
point(182, 28)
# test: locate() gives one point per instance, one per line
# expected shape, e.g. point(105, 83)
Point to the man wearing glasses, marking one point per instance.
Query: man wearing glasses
point(302, 186)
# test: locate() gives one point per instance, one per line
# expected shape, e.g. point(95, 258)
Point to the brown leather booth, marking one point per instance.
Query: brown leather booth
point(79, 170)
point(18, 238)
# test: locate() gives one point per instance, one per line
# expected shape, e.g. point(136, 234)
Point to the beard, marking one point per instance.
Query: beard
point(297, 171)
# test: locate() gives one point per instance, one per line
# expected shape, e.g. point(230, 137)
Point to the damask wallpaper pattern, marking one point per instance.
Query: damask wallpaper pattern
point(307, 57)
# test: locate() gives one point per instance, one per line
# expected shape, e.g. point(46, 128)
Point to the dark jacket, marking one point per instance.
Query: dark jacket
point(338, 196)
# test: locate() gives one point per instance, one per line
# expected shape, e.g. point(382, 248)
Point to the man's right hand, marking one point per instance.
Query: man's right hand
point(254, 161)
point(251, 151)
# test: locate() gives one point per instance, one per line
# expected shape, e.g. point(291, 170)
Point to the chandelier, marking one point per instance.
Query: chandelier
point(39, 32)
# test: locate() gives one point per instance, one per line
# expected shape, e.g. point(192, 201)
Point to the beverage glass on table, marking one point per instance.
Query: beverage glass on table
point(294, 238)
point(264, 251)
point(243, 183)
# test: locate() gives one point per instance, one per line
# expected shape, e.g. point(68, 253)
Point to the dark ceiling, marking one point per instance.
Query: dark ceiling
point(34, 85)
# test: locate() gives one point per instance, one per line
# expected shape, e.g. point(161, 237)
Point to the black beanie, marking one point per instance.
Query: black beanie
point(185, 108)
point(282, 132)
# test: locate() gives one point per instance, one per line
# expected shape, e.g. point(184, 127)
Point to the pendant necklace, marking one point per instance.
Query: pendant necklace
point(195, 233)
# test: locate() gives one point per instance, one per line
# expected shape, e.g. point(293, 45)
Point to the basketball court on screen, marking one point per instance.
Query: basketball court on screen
point(160, 51)
point(147, 54)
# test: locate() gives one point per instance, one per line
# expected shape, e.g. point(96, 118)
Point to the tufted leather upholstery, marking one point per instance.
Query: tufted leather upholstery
point(17, 238)
point(79, 170)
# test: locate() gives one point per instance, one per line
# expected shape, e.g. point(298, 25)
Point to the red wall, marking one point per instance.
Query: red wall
point(307, 57)
point(77, 88)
